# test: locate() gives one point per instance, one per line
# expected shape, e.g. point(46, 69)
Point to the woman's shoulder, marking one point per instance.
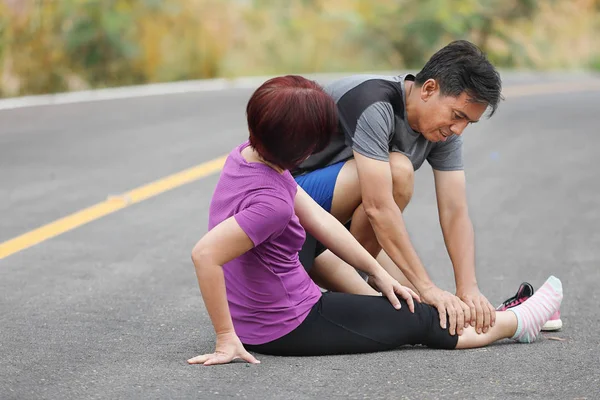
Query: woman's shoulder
point(279, 202)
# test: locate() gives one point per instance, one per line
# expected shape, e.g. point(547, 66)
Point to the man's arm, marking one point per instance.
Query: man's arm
point(459, 238)
point(331, 233)
point(386, 219)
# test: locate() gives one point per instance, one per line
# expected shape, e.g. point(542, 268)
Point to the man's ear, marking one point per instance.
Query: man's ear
point(429, 89)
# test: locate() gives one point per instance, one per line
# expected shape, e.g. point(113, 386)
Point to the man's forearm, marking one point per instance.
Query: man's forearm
point(389, 227)
point(460, 243)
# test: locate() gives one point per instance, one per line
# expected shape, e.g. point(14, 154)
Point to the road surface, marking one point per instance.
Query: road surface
point(111, 309)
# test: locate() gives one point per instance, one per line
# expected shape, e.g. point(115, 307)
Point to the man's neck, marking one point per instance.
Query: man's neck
point(411, 101)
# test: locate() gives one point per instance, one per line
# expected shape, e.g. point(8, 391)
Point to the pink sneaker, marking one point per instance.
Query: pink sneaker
point(524, 292)
point(554, 323)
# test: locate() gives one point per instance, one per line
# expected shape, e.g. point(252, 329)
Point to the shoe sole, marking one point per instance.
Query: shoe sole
point(552, 325)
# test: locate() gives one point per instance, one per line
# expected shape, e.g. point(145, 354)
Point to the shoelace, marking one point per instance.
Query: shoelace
point(516, 302)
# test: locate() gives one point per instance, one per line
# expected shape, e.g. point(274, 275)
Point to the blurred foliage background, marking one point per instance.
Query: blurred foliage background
point(51, 46)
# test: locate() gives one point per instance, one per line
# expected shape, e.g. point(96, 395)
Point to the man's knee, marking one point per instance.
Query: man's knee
point(403, 179)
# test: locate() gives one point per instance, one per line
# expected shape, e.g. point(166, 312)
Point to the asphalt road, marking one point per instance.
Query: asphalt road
point(112, 310)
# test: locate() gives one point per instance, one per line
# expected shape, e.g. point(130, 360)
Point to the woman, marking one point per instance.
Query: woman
point(258, 295)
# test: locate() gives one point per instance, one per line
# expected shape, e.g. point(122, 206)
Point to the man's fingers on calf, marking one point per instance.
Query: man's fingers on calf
point(473, 315)
point(460, 315)
point(492, 310)
point(467, 313)
point(451, 318)
point(486, 316)
point(479, 311)
point(493, 314)
point(442, 311)
point(460, 319)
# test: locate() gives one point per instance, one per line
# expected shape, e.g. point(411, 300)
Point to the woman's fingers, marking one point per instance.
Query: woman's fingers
point(407, 295)
point(199, 359)
point(222, 358)
point(249, 357)
point(218, 358)
point(413, 294)
point(391, 296)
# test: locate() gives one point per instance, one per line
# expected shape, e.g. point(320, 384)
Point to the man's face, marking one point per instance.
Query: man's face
point(443, 116)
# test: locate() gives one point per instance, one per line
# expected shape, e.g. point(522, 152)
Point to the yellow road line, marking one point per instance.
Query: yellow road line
point(109, 206)
point(155, 188)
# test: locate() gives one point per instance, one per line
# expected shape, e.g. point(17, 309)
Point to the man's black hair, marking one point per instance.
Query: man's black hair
point(463, 67)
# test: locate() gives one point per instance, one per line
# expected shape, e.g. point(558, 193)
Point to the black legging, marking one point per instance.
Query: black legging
point(341, 323)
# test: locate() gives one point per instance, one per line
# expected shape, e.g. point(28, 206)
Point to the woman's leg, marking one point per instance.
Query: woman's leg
point(522, 323)
point(505, 327)
point(342, 323)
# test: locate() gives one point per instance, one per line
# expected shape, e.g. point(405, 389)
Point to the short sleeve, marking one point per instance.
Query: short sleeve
point(373, 131)
point(448, 155)
point(263, 217)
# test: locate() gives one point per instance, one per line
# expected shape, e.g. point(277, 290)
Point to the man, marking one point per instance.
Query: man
point(388, 127)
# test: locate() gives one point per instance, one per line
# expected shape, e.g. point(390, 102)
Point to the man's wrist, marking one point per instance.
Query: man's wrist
point(424, 286)
point(464, 287)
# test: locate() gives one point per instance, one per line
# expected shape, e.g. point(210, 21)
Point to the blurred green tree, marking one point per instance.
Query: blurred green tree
point(413, 30)
point(55, 45)
point(32, 58)
point(99, 40)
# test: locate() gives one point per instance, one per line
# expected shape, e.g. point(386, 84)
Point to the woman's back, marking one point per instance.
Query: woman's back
point(268, 290)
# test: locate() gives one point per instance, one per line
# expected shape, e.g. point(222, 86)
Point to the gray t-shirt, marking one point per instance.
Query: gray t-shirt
point(373, 122)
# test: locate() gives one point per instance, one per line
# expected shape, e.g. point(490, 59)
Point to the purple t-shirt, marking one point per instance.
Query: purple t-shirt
point(268, 291)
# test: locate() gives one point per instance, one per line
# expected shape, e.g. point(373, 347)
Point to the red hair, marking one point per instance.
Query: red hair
point(289, 118)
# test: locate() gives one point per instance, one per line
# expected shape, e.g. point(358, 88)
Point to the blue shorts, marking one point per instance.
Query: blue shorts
point(320, 183)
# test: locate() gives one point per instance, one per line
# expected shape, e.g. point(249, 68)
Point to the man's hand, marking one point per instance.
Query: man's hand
point(229, 347)
point(447, 305)
point(483, 314)
point(391, 289)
